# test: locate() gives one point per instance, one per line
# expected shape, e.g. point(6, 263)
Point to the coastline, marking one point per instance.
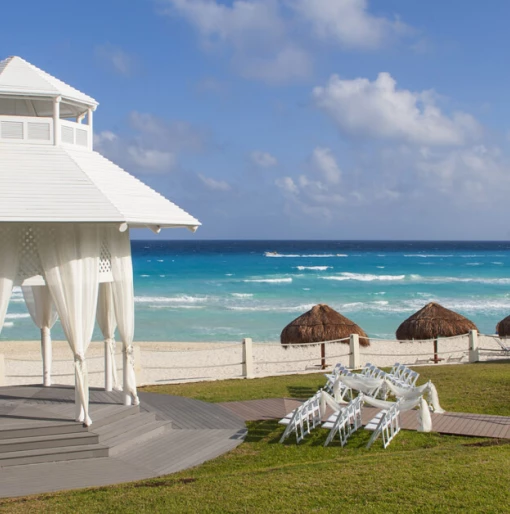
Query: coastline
point(175, 362)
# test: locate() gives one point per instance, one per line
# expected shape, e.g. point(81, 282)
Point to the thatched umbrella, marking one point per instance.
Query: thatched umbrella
point(433, 321)
point(503, 327)
point(321, 323)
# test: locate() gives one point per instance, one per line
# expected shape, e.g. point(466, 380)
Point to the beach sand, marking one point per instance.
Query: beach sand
point(174, 362)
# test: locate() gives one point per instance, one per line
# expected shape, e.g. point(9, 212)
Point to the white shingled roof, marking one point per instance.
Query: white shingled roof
point(19, 77)
point(43, 183)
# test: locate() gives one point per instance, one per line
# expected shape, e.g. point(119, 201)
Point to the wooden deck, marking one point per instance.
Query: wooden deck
point(42, 449)
point(453, 423)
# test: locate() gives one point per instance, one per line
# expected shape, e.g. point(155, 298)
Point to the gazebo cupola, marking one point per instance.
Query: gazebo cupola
point(37, 108)
point(65, 215)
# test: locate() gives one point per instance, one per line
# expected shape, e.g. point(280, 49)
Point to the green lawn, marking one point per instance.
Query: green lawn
point(417, 473)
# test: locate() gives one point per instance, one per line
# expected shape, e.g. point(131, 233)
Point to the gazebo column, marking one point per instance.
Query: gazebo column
point(124, 302)
point(106, 320)
point(47, 355)
point(56, 120)
point(43, 314)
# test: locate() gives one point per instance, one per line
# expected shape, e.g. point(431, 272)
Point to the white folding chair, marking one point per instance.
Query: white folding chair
point(386, 423)
point(345, 422)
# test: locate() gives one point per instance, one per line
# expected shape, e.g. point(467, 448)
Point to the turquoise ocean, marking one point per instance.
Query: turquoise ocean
point(226, 290)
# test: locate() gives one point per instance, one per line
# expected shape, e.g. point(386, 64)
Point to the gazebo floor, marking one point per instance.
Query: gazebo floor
point(42, 449)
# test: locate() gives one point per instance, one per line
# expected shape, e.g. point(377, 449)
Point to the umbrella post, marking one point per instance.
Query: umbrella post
point(323, 356)
point(436, 356)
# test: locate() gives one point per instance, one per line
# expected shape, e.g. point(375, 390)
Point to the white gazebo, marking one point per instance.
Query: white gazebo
point(65, 215)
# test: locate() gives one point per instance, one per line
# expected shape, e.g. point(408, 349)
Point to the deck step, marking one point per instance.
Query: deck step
point(47, 441)
point(110, 430)
point(137, 436)
point(110, 417)
point(41, 430)
point(53, 454)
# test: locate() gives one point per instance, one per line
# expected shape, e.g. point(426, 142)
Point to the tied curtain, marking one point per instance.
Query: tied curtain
point(124, 305)
point(9, 261)
point(44, 315)
point(107, 323)
point(69, 255)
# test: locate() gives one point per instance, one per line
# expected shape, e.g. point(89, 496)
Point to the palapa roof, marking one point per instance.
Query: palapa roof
point(503, 327)
point(434, 321)
point(321, 323)
point(46, 183)
point(19, 77)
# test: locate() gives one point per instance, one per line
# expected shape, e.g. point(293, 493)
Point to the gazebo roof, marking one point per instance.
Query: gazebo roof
point(46, 183)
point(19, 77)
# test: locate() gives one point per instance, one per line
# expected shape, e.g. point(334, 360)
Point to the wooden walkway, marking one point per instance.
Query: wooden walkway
point(164, 435)
point(453, 423)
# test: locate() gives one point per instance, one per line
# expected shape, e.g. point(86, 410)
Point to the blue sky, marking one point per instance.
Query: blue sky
point(304, 119)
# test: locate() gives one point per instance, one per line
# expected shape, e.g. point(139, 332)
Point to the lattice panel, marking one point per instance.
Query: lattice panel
point(29, 265)
point(105, 263)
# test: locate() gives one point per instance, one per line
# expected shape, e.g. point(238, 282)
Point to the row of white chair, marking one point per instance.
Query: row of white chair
point(345, 422)
point(303, 419)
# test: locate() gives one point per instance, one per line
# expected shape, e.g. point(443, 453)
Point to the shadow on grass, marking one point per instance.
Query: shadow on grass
point(302, 392)
point(262, 430)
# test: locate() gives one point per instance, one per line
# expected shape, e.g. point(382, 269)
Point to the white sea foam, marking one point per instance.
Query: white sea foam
point(228, 274)
point(272, 308)
point(161, 260)
point(474, 263)
point(145, 276)
point(364, 277)
point(313, 268)
point(498, 263)
point(8, 324)
point(270, 280)
point(171, 299)
point(381, 267)
point(242, 295)
point(308, 255)
point(424, 255)
point(17, 316)
point(306, 289)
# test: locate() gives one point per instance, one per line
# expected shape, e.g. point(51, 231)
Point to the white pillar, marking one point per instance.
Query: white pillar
point(474, 355)
point(90, 122)
point(247, 358)
point(125, 371)
point(47, 355)
point(354, 359)
point(108, 374)
point(2, 370)
point(56, 120)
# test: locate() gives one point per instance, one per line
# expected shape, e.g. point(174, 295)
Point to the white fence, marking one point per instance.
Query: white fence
point(181, 362)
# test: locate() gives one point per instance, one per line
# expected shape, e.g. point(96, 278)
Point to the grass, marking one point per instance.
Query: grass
point(417, 473)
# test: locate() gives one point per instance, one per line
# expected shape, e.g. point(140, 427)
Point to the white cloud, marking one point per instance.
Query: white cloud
point(263, 159)
point(214, 185)
point(324, 163)
point(379, 110)
point(155, 145)
point(154, 160)
point(348, 22)
point(288, 185)
point(117, 59)
point(255, 32)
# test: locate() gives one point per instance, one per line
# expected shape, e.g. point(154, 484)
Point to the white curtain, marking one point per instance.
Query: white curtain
point(106, 320)
point(415, 392)
point(69, 255)
point(9, 261)
point(124, 302)
point(44, 315)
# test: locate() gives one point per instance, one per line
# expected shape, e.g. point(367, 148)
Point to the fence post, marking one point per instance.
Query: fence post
point(247, 358)
point(474, 354)
point(137, 355)
point(2, 370)
point(354, 361)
